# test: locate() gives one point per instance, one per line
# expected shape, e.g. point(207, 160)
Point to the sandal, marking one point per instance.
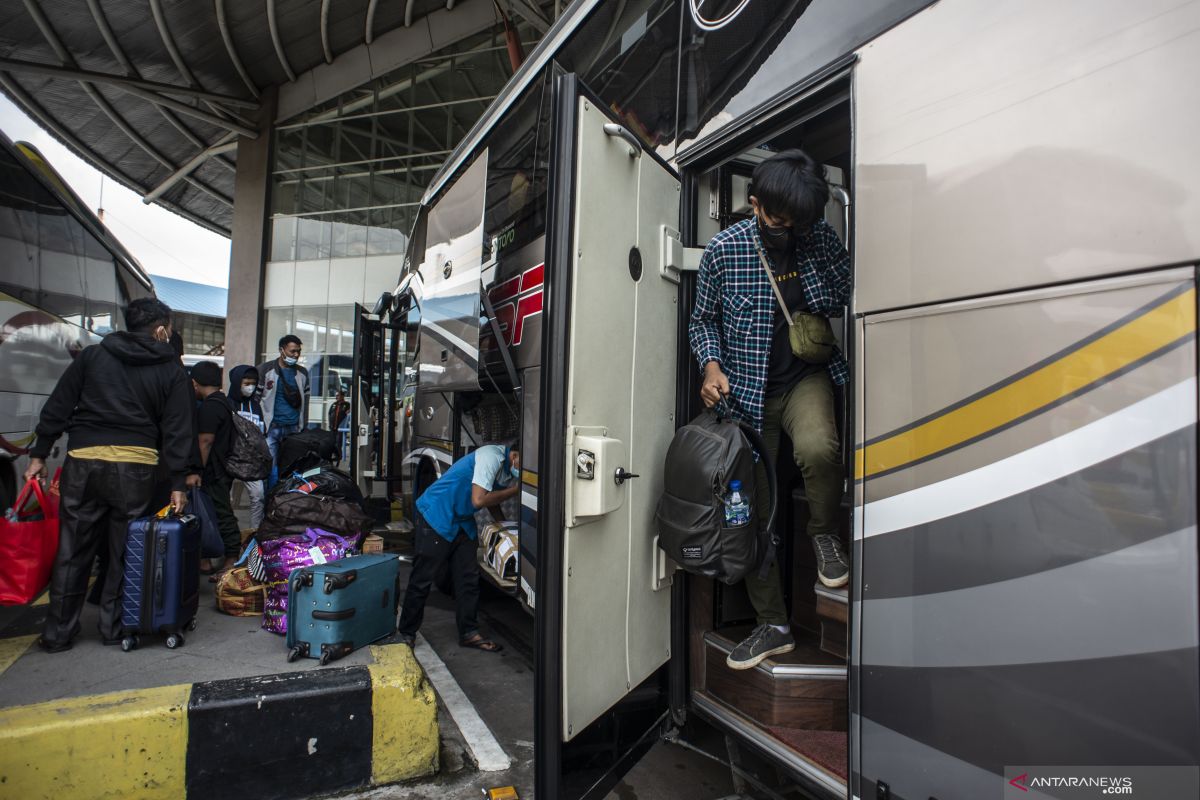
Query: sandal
point(477, 642)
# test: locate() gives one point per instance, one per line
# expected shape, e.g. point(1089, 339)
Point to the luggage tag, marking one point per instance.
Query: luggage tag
point(318, 556)
point(164, 512)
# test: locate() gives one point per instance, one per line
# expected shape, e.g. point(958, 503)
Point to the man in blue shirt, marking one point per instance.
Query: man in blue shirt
point(446, 534)
point(284, 388)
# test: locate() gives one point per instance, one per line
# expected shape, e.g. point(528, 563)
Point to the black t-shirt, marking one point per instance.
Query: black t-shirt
point(216, 417)
point(784, 370)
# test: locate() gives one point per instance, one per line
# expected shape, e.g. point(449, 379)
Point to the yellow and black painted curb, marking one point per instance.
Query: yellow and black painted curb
point(289, 735)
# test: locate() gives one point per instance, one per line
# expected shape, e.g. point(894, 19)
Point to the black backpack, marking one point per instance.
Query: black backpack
point(705, 455)
point(249, 457)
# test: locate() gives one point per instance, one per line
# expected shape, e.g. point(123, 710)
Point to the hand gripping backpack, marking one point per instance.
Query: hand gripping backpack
point(705, 455)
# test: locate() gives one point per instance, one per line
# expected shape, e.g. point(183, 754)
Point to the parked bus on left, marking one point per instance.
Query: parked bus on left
point(63, 281)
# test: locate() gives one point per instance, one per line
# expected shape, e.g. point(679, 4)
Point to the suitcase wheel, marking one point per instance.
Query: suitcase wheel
point(175, 640)
point(326, 657)
point(191, 626)
point(129, 643)
point(295, 653)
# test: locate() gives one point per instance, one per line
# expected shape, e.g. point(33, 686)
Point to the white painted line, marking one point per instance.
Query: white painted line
point(484, 748)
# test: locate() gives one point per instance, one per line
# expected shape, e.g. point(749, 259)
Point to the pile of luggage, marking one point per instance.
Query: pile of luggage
point(301, 570)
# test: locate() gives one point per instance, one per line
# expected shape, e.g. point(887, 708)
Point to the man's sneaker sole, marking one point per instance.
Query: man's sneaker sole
point(758, 659)
point(835, 583)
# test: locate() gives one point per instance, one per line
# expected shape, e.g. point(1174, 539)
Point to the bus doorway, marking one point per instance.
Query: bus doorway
point(792, 707)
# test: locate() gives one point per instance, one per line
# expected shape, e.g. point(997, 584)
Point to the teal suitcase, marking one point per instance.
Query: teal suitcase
point(334, 609)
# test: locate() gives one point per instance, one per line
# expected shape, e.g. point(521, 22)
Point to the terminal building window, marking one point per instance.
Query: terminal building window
point(347, 178)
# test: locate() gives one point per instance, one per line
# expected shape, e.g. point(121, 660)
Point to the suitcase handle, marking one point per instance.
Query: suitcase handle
point(339, 580)
point(334, 616)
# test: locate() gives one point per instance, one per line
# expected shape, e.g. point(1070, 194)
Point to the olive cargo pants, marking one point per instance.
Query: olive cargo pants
point(806, 413)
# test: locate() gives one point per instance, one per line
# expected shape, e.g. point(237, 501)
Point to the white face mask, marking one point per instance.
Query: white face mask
point(291, 362)
point(247, 391)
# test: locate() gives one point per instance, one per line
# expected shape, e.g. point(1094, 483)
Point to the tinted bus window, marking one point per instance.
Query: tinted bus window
point(753, 57)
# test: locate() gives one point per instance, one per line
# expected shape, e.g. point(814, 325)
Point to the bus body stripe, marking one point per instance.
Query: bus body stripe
point(1164, 325)
point(1111, 435)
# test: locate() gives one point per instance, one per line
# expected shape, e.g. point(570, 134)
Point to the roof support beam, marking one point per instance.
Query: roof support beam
point(275, 40)
point(131, 71)
point(227, 37)
point(325, 32)
point(160, 21)
point(532, 14)
point(227, 145)
point(15, 89)
point(408, 13)
point(121, 81)
point(64, 55)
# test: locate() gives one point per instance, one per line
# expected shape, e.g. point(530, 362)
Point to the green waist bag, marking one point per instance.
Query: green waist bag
point(810, 335)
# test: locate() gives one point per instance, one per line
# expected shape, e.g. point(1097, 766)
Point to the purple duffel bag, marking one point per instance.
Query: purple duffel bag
point(281, 556)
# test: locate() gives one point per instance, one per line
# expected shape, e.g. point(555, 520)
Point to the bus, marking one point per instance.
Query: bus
point(1018, 187)
point(64, 279)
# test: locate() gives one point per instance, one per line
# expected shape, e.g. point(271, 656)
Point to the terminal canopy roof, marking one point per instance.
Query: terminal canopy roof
point(156, 93)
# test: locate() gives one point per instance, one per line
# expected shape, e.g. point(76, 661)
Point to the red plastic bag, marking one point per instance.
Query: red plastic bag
point(28, 545)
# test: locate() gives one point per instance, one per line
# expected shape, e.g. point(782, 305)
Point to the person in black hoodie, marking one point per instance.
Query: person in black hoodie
point(125, 405)
point(214, 436)
point(243, 390)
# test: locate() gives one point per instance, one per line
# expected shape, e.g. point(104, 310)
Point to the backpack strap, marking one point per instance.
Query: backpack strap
point(772, 538)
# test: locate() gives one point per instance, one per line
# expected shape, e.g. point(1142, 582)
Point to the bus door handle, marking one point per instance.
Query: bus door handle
point(635, 146)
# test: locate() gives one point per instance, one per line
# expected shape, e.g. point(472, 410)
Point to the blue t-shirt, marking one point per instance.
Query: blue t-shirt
point(285, 413)
point(446, 505)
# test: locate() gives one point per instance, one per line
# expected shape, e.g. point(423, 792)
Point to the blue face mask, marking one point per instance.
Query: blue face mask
point(291, 362)
point(516, 473)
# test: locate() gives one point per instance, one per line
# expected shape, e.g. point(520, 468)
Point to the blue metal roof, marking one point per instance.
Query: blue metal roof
point(192, 298)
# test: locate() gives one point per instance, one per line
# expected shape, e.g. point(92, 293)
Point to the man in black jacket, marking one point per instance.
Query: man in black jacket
point(124, 404)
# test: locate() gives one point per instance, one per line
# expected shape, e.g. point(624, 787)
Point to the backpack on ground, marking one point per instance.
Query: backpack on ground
point(703, 458)
point(249, 457)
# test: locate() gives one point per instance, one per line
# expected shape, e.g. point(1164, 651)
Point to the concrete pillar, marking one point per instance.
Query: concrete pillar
point(250, 238)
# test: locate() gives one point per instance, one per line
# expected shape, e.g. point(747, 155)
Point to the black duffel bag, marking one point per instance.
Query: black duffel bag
point(705, 455)
point(294, 512)
point(319, 480)
point(303, 450)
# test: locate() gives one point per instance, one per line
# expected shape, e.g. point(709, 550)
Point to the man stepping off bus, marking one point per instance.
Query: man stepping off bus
point(740, 337)
point(485, 478)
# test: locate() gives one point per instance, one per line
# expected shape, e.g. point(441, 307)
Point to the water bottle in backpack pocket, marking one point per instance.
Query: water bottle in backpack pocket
point(737, 508)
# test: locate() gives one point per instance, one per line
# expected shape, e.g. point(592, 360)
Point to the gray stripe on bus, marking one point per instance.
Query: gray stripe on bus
point(1056, 524)
point(1138, 709)
point(1138, 599)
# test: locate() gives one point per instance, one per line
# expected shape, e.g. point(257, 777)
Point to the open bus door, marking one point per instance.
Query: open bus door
point(607, 417)
point(366, 399)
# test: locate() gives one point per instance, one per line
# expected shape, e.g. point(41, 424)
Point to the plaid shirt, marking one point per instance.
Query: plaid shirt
point(735, 307)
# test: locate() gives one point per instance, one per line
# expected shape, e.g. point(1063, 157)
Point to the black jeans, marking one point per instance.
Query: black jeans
point(99, 500)
point(219, 491)
point(432, 551)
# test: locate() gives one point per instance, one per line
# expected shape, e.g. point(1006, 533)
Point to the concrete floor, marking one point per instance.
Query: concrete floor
point(499, 685)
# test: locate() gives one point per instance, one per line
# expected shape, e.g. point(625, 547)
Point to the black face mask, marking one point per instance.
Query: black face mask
point(775, 237)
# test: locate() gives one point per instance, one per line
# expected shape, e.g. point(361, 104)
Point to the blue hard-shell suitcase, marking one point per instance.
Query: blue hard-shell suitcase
point(161, 590)
point(336, 608)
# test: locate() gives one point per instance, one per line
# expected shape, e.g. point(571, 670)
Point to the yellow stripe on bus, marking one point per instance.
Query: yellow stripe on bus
point(1078, 369)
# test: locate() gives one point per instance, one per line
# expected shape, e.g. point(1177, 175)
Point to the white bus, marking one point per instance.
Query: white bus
point(63, 282)
point(1020, 196)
